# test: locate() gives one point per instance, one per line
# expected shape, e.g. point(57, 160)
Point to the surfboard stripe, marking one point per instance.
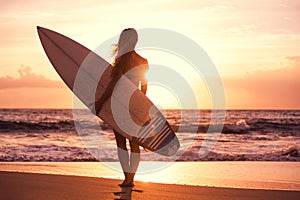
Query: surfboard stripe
point(159, 135)
point(162, 140)
point(149, 135)
point(163, 133)
point(155, 137)
point(146, 128)
point(144, 133)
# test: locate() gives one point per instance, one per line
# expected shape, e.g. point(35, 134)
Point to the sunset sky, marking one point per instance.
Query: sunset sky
point(255, 45)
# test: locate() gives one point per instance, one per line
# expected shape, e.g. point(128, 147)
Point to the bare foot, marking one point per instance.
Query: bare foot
point(127, 183)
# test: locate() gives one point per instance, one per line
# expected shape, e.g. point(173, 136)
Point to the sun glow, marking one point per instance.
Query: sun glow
point(255, 42)
point(174, 82)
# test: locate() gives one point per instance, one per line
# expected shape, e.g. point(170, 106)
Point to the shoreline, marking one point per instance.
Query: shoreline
point(17, 185)
point(246, 175)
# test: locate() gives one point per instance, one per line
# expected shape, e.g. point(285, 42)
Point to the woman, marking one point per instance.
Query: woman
point(127, 62)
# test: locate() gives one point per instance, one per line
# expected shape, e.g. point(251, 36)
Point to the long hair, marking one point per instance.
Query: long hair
point(122, 52)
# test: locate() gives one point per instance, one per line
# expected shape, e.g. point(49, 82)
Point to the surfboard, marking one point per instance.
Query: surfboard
point(128, 110)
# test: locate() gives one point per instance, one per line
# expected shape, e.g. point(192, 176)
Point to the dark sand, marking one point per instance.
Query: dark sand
point(15, 185)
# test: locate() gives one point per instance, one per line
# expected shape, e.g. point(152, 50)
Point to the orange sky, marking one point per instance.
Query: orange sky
point(254, 44)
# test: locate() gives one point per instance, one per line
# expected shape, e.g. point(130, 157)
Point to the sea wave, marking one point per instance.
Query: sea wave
point(286, 154)
point(33, 126)
point(81, 154)
point(49, 152)
point(240, 126)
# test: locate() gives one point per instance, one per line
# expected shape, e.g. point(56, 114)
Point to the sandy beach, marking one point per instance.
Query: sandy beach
point(244, 175)
point(190, 180)
point(32, 186)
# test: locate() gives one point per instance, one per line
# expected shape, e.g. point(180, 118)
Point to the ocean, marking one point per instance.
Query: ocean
point(52, 135)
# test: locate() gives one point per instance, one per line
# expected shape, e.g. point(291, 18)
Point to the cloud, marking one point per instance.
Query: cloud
point(28, 79)
point(266, 89)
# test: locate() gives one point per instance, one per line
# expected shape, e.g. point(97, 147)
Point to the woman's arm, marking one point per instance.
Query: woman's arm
point(144, 81)
point(144, 87)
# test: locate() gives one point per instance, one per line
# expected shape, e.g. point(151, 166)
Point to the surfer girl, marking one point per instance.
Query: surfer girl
point(126, 62)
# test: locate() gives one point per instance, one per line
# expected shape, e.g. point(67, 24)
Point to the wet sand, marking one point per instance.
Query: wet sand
point(245, 175)
point(19, 185)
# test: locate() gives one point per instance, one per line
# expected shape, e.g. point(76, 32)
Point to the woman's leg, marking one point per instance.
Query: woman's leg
point(134, 159)
point(123, 154)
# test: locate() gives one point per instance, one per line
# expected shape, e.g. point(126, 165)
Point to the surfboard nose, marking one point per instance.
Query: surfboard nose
point(42, 29)
point(39, 28)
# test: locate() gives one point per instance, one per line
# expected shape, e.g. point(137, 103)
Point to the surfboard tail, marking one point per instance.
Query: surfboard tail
point(170, 149)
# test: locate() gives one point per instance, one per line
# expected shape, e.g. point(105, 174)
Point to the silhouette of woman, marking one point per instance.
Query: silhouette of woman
point(127, 62)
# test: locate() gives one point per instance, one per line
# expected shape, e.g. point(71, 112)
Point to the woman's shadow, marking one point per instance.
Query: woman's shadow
point(126, 193)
